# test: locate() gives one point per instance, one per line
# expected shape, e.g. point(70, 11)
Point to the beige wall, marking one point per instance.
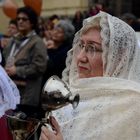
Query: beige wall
point(60, 7)
point(63, 7)
point(3, 21)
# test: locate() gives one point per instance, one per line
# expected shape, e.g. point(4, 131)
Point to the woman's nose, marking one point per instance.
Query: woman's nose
point(82, 55)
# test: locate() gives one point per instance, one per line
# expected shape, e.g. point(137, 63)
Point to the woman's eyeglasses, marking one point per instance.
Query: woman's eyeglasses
point(22, 18)
point(90, 47)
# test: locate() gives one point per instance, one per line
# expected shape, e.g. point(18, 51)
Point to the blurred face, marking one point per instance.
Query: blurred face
point(12, 29)
point(89, 58)
point(58, 35)
point(23, 22)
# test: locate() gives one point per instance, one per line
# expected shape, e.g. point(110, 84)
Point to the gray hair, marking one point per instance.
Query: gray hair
point(91, 25)
point(67, 27)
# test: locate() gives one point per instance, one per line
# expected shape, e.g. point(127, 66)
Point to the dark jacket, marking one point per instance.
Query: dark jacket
point(30, 64)
point(56, 60)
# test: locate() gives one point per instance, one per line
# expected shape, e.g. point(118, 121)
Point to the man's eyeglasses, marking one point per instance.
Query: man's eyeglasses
point(22, 18)
point(91, 47)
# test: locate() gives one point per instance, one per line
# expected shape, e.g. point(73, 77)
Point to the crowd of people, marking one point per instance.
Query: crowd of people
point(96, 54)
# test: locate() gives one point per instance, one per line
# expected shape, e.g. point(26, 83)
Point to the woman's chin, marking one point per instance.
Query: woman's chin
point(82, 75)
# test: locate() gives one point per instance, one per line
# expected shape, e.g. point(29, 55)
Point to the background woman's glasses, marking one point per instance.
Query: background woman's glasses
point(22, 18)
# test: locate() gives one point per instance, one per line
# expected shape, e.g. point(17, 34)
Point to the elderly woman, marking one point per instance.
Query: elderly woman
point(104, 68)
point(57, 48)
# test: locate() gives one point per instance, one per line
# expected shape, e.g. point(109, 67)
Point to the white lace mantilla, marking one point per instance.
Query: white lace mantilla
point(120, 49)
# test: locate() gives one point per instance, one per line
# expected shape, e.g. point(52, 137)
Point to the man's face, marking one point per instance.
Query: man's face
point(23, 22)
point(89, 58)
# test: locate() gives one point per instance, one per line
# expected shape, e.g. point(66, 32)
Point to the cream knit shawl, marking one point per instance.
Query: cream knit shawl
point(108, 110)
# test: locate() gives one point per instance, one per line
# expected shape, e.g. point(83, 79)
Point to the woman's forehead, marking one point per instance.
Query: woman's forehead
point(59, 29)
point(91, 35)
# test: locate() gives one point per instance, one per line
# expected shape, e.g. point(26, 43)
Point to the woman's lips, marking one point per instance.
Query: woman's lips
point(81, 68)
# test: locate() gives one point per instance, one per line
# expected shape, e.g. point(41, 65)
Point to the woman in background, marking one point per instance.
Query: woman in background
point(57, 48)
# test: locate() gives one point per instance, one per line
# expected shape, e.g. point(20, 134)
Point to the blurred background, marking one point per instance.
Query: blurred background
point(67, 8)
